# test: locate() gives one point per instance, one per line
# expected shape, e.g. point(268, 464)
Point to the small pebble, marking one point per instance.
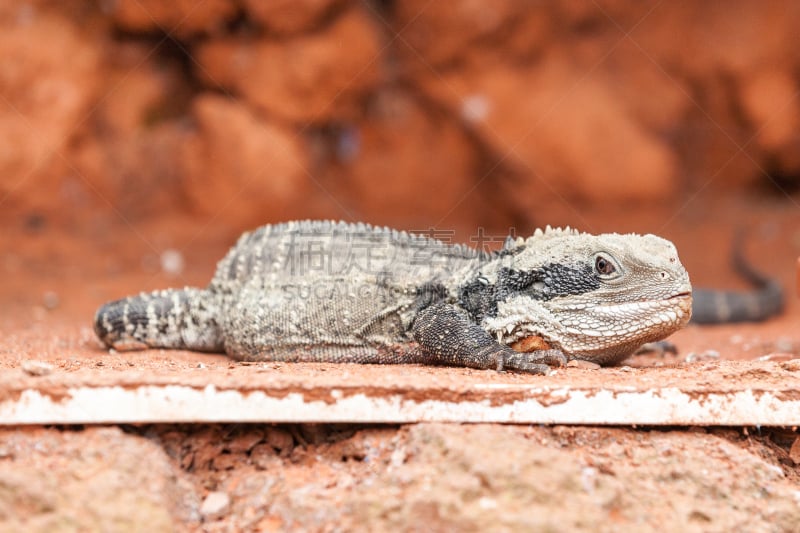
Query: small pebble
point(50, 300)
point(279, 439)
point(784, 344)
point(794, 451)
point(791, 366)
point(487, 503)
point(707, 355)
point(475, 108)
point(215, 505)
point(244, 442)
point(589, 478)
point(172, 262)
point(36, 368)
point(777, 356)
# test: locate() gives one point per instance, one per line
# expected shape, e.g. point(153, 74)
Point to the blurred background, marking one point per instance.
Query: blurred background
point(146, 135)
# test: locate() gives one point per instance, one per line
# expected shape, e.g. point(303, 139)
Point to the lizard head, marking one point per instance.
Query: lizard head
point(595, 297)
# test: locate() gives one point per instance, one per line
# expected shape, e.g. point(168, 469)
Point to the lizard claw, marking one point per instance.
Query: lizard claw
point(660, 348)
point(536, 362)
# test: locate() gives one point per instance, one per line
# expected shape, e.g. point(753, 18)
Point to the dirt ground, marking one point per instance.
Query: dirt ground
point(140, 137)
point(439, 477)
point(431, 477)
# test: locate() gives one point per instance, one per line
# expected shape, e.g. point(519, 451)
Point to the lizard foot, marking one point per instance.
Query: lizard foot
point(660, 348)
point(537, 362)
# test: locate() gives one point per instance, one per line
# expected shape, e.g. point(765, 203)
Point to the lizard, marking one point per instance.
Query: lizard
point(350, 292)
point(711, 306)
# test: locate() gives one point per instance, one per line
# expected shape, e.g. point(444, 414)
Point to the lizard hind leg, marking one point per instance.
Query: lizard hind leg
point(173, 318)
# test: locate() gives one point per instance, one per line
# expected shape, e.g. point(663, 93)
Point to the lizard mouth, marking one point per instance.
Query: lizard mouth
point(681, 299)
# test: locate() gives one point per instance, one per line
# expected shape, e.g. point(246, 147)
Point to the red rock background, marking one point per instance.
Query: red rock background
point(407, 112)
point(139, 137)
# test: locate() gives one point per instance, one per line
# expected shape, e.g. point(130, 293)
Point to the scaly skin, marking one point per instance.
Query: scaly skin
point(337, 292)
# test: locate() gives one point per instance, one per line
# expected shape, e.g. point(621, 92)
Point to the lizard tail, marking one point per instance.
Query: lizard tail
point(718, 307)
point(173, 318)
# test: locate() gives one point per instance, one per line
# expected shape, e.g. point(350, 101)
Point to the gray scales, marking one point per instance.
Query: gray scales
point(339, 292)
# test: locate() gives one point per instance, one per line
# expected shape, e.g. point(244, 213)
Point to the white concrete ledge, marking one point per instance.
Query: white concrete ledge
point(325, 396)
point(102, 405)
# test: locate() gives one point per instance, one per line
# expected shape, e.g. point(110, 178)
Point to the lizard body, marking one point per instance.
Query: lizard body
point(339, 292)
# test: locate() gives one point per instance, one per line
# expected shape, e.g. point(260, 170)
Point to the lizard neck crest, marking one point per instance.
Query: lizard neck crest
point(540, 235)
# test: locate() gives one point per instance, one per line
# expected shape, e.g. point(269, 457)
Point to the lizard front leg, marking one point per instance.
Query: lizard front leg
point(447, 335)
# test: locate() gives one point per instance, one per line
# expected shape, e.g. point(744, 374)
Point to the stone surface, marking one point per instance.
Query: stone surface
point(794, 451)
point(770, 100)
point(394, 478)
point(711, 63)
point(510, 478)
point(215, 505)
point(237, 165)
point(562, 104)
point(700, 80)
point(401, 148)
point(134, 164)
point(524, 485)
point(307, 78)
point(181, 18)
point(290, 16)
point(89, 480)
point(36, 368)
point(758, 394)
point(49, 74)
point(431, 34)
point(540, 122)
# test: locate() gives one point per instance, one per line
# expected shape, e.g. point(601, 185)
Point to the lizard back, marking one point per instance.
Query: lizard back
point(298, 252)
point(303, 290)
point(330, 290)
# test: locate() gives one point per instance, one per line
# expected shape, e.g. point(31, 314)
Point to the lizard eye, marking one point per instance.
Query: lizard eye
point(605, 267)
